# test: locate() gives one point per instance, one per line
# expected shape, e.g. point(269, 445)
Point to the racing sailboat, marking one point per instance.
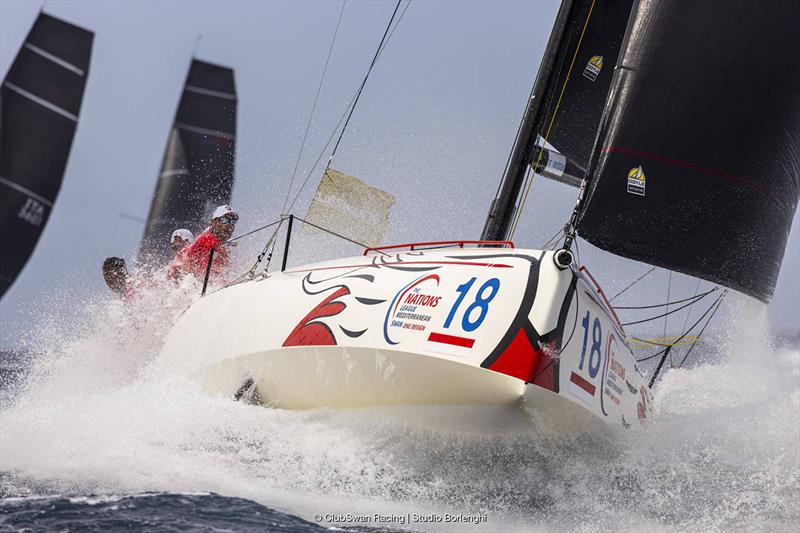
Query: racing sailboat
point(40, 104)
point(198, 167)
point(683, 138)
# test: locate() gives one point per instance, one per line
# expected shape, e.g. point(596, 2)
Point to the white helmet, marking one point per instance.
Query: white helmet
point(184, 234)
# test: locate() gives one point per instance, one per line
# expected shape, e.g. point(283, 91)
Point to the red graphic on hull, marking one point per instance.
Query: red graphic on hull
point(522, 361)
point(310, 331)
point(582, 383)
point(451, 339)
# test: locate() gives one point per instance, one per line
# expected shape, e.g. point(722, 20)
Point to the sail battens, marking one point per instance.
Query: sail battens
point(210, 92)
point(27, 191)
point(205, 131)
point(176, 172)
point(41, 101)
point(55, 59)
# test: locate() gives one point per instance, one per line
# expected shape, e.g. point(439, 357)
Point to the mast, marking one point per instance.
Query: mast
point(502, 209)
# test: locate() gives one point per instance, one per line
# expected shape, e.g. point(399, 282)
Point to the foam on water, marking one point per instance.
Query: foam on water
point(98, 416)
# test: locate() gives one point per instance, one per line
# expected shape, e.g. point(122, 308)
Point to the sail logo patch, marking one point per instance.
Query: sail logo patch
point(636, 181)
point(593, 67)
point(555, 164)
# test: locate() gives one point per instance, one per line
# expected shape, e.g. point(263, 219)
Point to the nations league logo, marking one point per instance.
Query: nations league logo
point(636, 181)
point(593, 67)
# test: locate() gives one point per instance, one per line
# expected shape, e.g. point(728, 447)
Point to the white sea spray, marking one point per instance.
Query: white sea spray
point(100, 416)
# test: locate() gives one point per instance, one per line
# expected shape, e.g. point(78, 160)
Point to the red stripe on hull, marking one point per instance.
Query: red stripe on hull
point(451, 339)
point(582, 383)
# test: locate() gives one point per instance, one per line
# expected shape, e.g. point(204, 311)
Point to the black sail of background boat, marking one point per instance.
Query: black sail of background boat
point(198, 167)
point(680, 121)
point(40, 103)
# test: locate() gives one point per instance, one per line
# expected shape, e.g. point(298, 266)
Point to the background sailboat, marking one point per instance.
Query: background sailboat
point(40, 102)
point(198, 167)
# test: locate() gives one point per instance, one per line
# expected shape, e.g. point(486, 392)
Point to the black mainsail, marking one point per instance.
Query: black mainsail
point(697, 164)
point(40, 102)
point(198, 167)
point(694, 162)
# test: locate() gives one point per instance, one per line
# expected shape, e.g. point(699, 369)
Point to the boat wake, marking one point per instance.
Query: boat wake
point(98, 415)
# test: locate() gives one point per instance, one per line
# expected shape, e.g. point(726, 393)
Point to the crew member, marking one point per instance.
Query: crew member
point(195, 261)
point(180, 241)
point(115, 273)
point(181, 238)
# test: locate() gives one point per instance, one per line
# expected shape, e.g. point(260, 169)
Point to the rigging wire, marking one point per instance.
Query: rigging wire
point(251, 272)
point(554, 239)
point(654, 355)
point(637, 280)
point(402, 14)
point(348, 239)
point(339, 123)
point(689, 312)
point(716, 302)
point(695, 298)
point(668, 350)
point(666, 318)
point(689, 351)
point(364, 82)
point(314, 107)
point(657, 317)
point(255, 230)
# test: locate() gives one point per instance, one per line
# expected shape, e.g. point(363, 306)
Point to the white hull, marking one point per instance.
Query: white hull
point(481, 326)
point(345, 377)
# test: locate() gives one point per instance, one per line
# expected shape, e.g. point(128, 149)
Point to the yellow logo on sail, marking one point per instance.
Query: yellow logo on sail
point(636, 173)
point(636, 181)
point(593, 67)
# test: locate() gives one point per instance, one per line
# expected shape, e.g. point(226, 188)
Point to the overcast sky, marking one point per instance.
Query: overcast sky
point(434, 127)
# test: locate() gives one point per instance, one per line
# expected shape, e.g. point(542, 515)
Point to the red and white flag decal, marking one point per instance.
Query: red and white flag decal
point(580, 388)
point(449, 344)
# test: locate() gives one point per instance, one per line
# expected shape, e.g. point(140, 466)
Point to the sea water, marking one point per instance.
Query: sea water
point(95, 435)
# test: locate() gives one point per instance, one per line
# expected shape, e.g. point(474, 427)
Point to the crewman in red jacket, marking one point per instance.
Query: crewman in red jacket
point(195, 257)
